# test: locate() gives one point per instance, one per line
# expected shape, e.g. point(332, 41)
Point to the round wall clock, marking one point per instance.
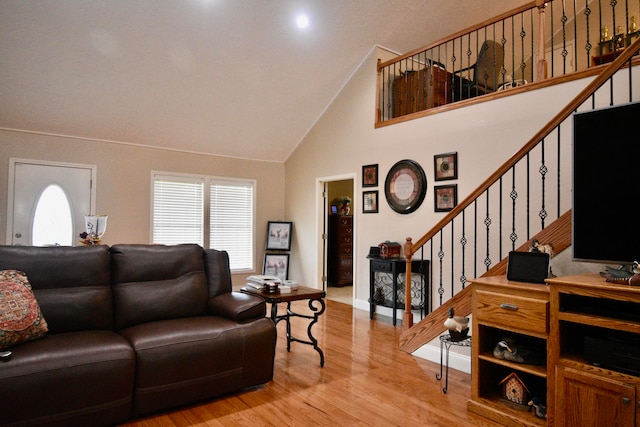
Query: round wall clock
point(405, 186)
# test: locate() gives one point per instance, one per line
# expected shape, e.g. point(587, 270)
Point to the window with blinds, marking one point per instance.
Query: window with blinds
point(221, 218)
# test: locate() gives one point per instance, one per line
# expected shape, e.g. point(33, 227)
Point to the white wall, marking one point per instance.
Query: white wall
point(344, 139)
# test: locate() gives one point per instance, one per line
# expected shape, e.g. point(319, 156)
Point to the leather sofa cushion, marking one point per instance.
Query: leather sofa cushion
point(153, 283)
point(216, 264)
point(140, 302)
point(237, 306)
point(182, 358)
point(71, 284)
point(144, 263)
point(42, 380)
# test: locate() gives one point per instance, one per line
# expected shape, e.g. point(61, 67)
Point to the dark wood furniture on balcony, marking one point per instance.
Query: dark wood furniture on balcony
point(415, 91)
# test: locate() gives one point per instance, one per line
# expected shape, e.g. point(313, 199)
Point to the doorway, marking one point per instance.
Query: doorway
point(338, 255)
point(47, 202)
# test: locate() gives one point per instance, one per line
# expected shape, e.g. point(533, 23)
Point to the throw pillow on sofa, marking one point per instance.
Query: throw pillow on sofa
point(20, 317)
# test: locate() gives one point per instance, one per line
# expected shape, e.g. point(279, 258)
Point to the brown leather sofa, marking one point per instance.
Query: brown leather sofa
point(133, 330)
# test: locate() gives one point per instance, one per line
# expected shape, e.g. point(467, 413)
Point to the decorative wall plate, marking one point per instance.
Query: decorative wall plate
point(405, 186)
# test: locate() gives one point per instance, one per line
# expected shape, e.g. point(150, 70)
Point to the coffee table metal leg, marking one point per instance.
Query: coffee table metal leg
point(289, 338)
point(314, 319)
point(313, 322)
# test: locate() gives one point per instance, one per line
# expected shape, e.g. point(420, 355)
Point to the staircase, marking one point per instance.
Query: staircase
point(449, 240)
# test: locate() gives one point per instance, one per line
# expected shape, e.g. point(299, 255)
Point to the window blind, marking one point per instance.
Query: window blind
point(231, 221)
point(223, 217)
point(178, 213)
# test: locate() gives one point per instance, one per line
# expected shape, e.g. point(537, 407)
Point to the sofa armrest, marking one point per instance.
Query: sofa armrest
point(237, 306)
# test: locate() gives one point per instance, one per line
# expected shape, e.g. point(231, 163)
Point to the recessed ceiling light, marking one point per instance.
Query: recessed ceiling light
point(302, 21)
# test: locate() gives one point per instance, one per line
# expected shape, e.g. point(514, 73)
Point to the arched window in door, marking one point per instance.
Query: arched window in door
point(53, 220)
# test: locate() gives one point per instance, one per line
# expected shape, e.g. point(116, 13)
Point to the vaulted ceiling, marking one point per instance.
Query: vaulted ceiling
point(229, 77)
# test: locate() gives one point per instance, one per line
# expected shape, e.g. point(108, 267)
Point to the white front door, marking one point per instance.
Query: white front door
point(47, 202)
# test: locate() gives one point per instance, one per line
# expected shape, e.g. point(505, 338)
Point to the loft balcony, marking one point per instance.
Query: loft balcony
point(533, 46)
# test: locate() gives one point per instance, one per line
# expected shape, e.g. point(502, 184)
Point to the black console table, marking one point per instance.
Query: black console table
point(395, 266)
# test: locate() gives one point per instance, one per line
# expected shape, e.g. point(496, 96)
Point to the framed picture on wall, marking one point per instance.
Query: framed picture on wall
point(276, 265)
point(370, 175)
point(279, 236)
point(445, 166)
point(446, 197)
point(370, 201)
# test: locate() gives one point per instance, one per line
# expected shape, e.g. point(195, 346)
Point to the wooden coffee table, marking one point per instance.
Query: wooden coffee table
point(315, 297)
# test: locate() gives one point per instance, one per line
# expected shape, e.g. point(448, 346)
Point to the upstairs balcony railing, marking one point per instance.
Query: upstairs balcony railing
point(530, 44)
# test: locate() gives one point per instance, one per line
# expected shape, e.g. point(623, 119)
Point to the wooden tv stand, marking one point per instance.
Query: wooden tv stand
point(557, 319)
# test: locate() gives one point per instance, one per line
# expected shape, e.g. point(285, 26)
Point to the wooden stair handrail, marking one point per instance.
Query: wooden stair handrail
point(411, 248)
point(512, 12)
point(573, 105)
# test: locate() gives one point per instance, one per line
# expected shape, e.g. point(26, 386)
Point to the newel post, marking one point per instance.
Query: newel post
point(407, 317)
point(541, 65)
point(378, 90)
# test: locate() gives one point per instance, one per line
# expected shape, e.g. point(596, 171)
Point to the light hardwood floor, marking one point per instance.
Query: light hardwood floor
point(366, 381)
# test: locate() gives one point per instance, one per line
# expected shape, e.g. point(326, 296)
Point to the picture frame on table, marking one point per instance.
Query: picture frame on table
point(276, 265)
point(446, 197)
point(445, 166)
point(370, 175)
point(279, 235)
point(370, 201)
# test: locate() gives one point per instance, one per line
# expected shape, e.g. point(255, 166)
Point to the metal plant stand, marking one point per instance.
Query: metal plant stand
point(445, 343)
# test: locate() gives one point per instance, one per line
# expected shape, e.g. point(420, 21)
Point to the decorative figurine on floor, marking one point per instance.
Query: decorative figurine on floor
point(458, 326)
point(539, 408)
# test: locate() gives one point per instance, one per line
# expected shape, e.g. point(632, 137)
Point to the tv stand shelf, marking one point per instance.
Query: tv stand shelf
point(590, 331)
point(591, 322)
point(518, 311)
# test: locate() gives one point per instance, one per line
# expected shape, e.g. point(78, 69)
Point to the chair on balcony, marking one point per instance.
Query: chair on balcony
point(486, 73)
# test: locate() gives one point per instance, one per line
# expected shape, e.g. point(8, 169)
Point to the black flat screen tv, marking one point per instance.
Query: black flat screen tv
point(606, 185)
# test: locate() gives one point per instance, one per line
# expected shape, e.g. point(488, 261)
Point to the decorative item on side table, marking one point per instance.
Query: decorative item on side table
point(96, 225)
point(370, 175)
point(389, 249)
point(446, 197)
point(405, 186)
point(445, 166)
point(279, 235)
